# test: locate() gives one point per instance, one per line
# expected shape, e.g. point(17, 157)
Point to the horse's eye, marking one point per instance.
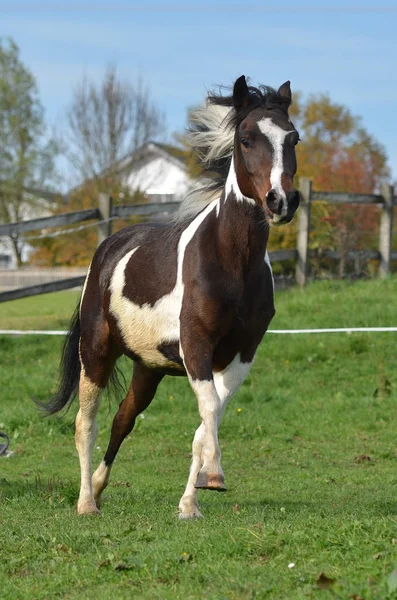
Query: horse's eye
point(245, 143)
point(295, 139)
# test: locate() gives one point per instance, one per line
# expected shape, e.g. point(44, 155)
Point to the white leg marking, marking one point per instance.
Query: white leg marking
point(210, 410)
point(86, 430)
point(227, 383)
point(276, 136)
point(229, 380)
point(231, 185)
point(188, 506)
point(100, 480)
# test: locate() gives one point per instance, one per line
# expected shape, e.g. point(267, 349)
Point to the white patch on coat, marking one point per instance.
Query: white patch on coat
point(144, 328)
point(276, 136)
point(85, 286)
point(232, 186)
point(267, 261)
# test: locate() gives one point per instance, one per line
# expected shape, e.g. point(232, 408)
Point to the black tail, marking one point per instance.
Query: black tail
point(69, 369)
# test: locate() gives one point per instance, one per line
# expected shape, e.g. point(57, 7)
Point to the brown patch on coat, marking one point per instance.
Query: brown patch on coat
point(228, 301)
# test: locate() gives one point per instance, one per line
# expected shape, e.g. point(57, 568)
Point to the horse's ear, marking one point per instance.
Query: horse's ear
point(240, 93)
point(285, 90)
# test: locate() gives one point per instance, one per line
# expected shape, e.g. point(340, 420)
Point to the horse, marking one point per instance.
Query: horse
point(190, 297)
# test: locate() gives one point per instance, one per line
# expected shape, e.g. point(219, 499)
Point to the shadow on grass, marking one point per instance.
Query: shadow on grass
point(38, 489)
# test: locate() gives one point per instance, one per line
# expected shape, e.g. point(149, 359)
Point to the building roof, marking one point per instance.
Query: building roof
point(150, 151)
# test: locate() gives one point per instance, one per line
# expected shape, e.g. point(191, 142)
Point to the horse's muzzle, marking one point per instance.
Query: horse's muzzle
point(276, 204)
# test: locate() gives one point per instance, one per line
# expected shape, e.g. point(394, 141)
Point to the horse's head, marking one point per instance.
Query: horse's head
point(264, 149)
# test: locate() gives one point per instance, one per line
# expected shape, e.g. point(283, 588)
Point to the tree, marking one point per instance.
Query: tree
point(337, 153)
point(106, 123)
point(26, 154)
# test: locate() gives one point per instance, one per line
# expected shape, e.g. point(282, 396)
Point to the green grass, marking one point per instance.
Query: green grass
point(48, 311)
point(300, 488)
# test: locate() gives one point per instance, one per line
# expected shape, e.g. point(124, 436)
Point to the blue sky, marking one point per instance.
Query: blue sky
point(182, 49)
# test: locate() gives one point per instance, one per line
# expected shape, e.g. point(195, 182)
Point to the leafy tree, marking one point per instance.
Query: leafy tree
point(26, 154)
point(339, 155)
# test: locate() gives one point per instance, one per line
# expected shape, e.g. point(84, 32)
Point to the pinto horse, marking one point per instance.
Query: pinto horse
point(193, 297)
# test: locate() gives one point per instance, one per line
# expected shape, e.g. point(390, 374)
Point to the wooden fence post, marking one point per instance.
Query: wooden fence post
point(105, 210)
point(302, 246)
point(386, 231)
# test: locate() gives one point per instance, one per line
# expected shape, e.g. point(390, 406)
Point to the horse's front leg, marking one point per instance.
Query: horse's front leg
point(210, 475)
point(197, 352)
point(226, 382)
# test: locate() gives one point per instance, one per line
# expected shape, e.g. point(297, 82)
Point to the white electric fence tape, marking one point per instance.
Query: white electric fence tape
point(278, 331)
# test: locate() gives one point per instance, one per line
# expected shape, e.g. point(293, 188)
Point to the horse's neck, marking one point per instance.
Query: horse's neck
point(241, 228)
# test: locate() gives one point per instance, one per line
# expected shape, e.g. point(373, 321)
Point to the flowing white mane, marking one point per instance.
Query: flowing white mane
point(211, 136)
point(212, 139)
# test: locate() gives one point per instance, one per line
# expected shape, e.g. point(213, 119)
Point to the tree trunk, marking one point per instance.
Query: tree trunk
point(342, 265)
point(17, 250)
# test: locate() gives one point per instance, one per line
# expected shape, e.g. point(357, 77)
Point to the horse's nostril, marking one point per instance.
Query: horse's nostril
point(274, 202)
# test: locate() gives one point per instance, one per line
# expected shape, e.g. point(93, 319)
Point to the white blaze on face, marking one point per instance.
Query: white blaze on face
point(276, 136)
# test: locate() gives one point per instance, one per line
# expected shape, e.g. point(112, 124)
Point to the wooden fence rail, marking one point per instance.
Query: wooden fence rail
point(77, 216)
point(107, 212)
point(43, 288)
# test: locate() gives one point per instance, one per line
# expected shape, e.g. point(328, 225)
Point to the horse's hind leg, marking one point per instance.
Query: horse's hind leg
point(97, 362)
point(86, 430)
point(141, 392)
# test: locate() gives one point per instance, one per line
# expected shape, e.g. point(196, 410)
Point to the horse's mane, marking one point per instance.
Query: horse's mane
point(211, 137)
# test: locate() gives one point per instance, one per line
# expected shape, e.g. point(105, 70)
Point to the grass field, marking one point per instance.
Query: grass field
point(309, 452)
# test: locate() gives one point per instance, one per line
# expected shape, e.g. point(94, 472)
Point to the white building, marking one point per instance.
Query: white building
point(158, 171)
point(38, 204)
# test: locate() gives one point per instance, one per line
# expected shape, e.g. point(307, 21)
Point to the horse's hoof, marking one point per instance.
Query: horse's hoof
point(191, 514)
point(210, 481)
point(87, 508)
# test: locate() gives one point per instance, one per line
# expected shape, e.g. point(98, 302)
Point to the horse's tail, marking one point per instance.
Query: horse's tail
point(70, 368)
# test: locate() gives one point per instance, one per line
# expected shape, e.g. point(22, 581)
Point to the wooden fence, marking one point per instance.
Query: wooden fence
point(386, 200)
point(106, 213)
